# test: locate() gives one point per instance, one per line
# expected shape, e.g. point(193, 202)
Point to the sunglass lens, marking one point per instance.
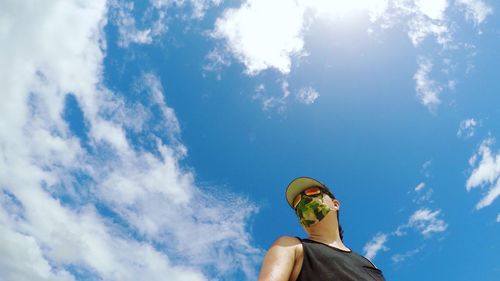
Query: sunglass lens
point(312, 191)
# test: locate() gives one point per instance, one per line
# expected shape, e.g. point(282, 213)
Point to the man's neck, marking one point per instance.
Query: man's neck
point(336, 243)
point(326, 231)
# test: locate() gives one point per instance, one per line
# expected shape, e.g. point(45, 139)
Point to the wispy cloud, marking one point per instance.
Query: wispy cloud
point(124, 18)
point(420, 186)
point(467, 128)
point(375, 245)
point(475, 10)
point(425, 170)
point(420, 28)
point(269, 100)
point(486, 172)
point(276, 99)
point(136, 27)
point(198, 8)
point(425, 221)
point(428, 90)
point(256, 39)
point(215, 61)
point(307, 95)
point(423, 194)
point(253, 37)
point(397, 258)
point(92, 198)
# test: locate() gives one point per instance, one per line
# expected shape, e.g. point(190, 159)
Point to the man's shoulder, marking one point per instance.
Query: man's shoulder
point(288, 246)
point(287, 241)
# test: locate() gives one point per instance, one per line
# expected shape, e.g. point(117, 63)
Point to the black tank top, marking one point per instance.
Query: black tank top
point(325, 263)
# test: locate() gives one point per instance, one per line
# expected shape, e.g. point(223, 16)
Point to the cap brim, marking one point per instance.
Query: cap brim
point(296, 186)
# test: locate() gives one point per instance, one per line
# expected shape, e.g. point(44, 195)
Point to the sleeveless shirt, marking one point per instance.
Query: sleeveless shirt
point(322, 262)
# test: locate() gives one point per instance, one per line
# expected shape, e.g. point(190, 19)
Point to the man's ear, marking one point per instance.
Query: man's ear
point(336, 204)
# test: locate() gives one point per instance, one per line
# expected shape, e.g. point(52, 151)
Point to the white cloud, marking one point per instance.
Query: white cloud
point(255, 36)
point(127, 27)
point(375, 245)
point(420, 186)
point(201, 6)
point(325, 9)
point(427, 222)
point(498, 218)
point(252, 35)
point(452, 84)
point(269, 101)
point(285, 88)
point(80, 238)
point(427, 89)
point(198, 7)
point(425, 168)
point(467, 127)
point(154, 18)
point(485, 173)
point(434, 9)
point(492, 194)
point(397, 258)
point(307, 95)
point(420, 19)
point(423, 220)
point(23, 259)
point(53, 218)
point(475, 10)
point(423, 196)
point(421, 27)
point(215, 61)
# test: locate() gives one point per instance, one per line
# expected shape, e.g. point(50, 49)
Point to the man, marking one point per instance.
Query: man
point(323, 255)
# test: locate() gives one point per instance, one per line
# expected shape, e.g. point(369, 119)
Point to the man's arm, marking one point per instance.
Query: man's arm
point(279, 260)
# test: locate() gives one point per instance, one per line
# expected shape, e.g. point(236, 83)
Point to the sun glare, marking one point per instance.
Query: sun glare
point(344, 8)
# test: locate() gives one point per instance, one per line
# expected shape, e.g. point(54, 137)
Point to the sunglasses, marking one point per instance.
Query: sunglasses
point(311, 191)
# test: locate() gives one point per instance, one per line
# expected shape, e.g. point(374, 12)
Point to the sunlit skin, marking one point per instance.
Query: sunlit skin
point(283, 260)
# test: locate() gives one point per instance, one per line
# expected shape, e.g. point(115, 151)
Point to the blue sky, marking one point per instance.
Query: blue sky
point(153, 140)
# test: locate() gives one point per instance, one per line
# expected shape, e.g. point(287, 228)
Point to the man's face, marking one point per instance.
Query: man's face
point(312, 206)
